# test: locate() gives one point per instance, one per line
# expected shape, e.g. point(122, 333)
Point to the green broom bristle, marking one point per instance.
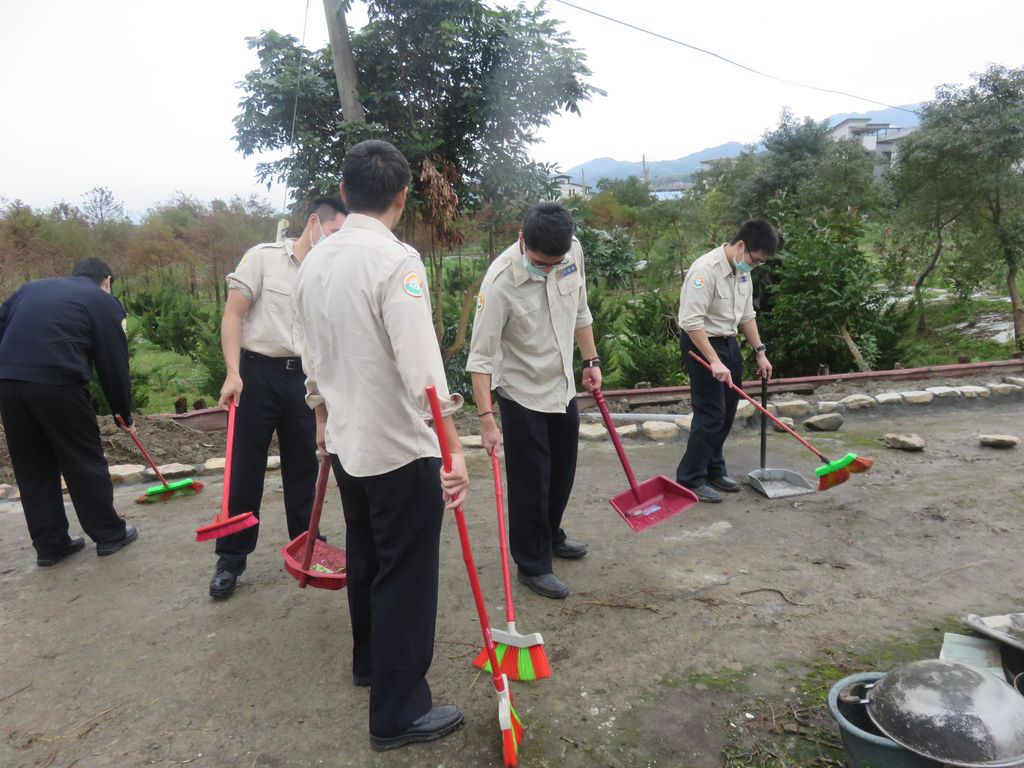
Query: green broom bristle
point(177, 485)
point(483, 661)
point(838, 464)
point(524, 667)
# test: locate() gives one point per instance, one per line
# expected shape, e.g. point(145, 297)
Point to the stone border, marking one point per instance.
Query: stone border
point(656, 431)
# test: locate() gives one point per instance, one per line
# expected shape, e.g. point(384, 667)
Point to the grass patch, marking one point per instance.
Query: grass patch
point(724, 680)
point(943, 347)
point(170, 375)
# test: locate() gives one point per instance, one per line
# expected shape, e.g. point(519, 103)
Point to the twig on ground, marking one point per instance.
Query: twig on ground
point(940, 574)
point(12, 695)
point(96, 754)
point(49, 760)
point(183, 762)
point(570, 741)
point(777, 591)
point(94, 718)
point(254, 760)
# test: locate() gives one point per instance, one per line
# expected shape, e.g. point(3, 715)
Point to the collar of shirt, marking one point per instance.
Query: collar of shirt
point(520, 274)
point(362, 221)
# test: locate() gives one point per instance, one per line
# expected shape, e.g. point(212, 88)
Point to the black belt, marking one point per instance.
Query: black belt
point(282, 363)
point(713, 338)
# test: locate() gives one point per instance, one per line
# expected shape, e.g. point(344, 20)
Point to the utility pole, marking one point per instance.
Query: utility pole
point(647, 175)
point(344, 64)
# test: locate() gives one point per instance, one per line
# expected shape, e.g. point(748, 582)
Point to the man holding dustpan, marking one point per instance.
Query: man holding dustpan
point(716, 300)
point(532, 303)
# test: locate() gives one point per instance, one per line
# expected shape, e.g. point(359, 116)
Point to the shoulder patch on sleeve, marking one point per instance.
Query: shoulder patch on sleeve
point(697, 281)
point(479, 301)
point(412, 285)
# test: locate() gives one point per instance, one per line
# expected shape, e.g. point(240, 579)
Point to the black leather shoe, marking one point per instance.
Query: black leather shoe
point(725, 483)
point(131, 533)
point(546, 585)
point(707, 494)
point(75, 544)
point(438, 722)
point(360, 681)
point(222, 585)
point(570, 549)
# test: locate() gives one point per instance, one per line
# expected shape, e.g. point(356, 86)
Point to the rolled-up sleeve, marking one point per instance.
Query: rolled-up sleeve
point(408, 323)
point(491, 311)
point(695, 298)
point(247, 278)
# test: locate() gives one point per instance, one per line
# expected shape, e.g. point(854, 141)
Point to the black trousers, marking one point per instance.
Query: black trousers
point(273, 398)
point(540, 464)
point(392, 537)
point(714, 408)
point(52, 430)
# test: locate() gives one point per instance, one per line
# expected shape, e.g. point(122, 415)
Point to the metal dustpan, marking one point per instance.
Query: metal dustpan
point(775, 483)
point(650, 502)
point(313, 562)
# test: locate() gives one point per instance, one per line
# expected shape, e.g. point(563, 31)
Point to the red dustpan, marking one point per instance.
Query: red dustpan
point(314, 562)
point(652, 501)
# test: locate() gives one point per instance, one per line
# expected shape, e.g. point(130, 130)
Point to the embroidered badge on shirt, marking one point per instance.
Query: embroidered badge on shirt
point(479, 302)
point(743, 278)
point(411, 284)
point(698, 281)
point(564, 271)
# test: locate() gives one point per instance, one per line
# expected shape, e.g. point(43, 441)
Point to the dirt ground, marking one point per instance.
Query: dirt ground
point(125, 660)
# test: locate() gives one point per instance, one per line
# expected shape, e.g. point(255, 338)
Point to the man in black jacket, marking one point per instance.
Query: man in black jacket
point(52, 332)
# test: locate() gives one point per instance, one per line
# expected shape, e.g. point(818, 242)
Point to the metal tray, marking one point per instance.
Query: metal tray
point(1007, 628)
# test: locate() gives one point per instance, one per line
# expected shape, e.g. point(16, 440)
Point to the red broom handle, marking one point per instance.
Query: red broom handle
point(467, 552)
point(226, 493)
point(763, 410)
point(314, 518)
point(510, 611)
point(121, 423)
point(599, 399)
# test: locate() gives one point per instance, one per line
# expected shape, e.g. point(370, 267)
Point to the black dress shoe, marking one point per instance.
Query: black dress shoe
point(707, 494)
point(725, 483)
point(75, 544)
point(360, 681)
point(222, 585)
point(131, 533)
point(546, 585)
point(438, 722)
point(570, 549)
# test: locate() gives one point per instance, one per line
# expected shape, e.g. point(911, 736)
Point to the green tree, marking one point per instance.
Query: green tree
point(631, 191)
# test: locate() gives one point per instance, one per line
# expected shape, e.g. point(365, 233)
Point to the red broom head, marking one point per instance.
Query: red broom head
point(538, 662)
point(860, 464)
point(511, 740)
point(483, 661)
point(832, 479)
point(220, 528)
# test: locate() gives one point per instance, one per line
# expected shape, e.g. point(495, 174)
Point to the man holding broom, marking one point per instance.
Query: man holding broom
point(262, 346)
point(532, 304)
point(716, 299)
point(370, 353)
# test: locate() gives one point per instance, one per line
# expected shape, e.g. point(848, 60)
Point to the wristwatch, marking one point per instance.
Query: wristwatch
point(594, 362)
point(760, 348)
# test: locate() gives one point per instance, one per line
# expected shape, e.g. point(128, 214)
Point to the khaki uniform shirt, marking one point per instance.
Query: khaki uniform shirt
point(715, 298)
point(524, 329)
point(266, 276)
point(370, 352)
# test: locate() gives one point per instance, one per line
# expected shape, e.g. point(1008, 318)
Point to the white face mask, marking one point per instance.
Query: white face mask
point(322, 235)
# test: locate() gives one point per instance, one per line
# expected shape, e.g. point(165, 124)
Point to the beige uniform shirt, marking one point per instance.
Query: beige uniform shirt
point(714, 298)
point(266, 276)
point(524, 329)
point(370, 350)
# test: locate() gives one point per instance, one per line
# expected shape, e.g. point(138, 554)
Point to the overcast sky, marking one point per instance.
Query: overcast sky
point(138, 95)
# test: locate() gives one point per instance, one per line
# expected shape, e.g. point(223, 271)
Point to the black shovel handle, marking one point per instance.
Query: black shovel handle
point(764, 421)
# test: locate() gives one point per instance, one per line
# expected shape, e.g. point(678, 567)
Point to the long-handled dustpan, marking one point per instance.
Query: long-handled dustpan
point(650, 502)
point(775, 483)
point(512, 729)
point(314, 562)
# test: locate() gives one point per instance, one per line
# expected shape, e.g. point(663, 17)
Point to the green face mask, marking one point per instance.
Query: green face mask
point(534, 270)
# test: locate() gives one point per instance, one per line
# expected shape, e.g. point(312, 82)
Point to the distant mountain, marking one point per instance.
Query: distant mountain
point(609, 168)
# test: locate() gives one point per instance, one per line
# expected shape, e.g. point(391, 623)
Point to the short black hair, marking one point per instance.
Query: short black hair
point(758, 235)
point(547, 229)
point(326, 207)
point(95, 269)
point(373, 174)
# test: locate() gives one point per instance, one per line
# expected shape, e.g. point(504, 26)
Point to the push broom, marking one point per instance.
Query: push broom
point(832, 473)
point(511, 726)
point(521, 657)
point(224, 524)
point(164, 491)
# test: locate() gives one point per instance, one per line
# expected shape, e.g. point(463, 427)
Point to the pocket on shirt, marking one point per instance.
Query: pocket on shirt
point(570, 284)
point(277, 293)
